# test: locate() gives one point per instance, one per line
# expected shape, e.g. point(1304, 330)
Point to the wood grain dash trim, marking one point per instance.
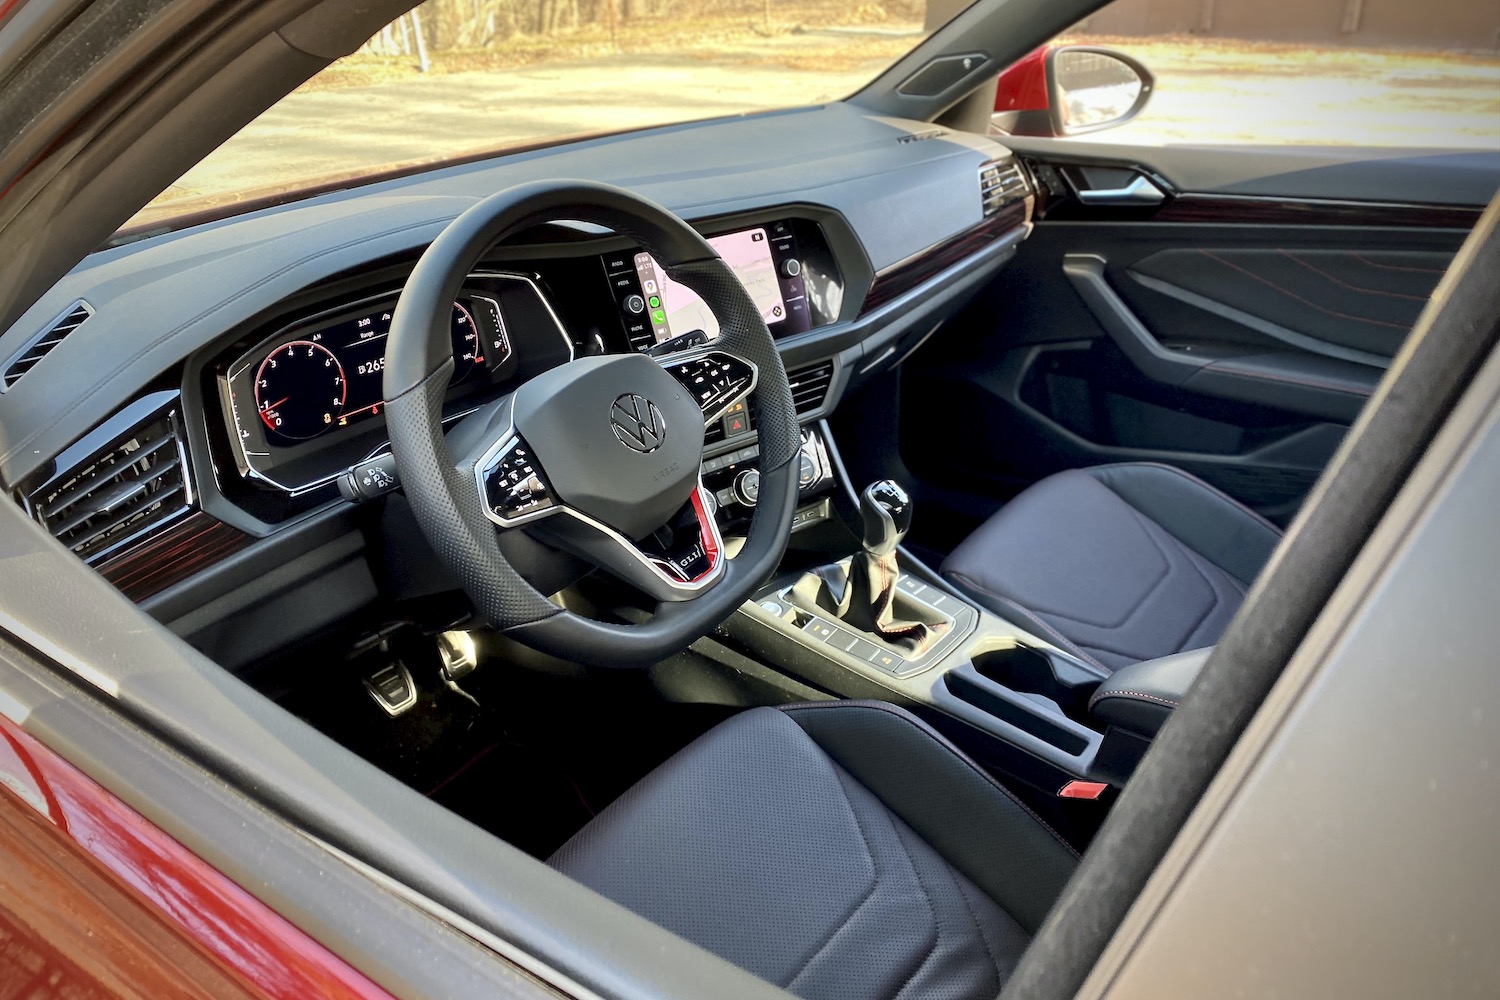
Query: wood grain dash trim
point(192, 544)
point(900, 278)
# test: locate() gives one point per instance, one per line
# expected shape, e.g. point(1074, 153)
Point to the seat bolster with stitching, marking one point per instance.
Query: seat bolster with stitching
point(771, 842)
point(927, 781)
point(1117, 563)
point(1210, 522)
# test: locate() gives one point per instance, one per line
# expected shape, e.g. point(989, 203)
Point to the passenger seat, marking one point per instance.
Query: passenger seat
point(1117, 563)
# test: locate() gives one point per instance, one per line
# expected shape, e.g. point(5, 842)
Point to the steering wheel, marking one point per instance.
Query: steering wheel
point(600, 456)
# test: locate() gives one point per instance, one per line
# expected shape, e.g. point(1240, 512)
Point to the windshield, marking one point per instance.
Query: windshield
point(460, 77)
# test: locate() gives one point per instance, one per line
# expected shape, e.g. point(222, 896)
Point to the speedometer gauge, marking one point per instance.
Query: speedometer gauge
point(468, 347)
point(300, 390)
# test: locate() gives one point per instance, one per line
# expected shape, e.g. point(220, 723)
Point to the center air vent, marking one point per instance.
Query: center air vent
point(43, 343)
point(809, 393)
point(136, 482)
point(810, 387)
point(1001, 183)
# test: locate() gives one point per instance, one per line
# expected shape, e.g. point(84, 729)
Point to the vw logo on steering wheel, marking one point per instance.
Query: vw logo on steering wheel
point(637, 423)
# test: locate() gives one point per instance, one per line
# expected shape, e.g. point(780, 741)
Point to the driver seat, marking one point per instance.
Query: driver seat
point(836, 849)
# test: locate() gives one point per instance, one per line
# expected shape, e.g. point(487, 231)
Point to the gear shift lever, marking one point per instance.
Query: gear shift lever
point(886, 509)
point(870, 598)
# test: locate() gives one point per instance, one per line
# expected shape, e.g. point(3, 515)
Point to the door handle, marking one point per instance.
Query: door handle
point(1140, 191)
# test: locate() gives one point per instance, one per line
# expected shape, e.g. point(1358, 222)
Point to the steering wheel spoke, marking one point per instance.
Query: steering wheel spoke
point(716, 378)
point(677, 562)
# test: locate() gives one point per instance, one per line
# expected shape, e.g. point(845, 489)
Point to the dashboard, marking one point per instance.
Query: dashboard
point(204, 393)
point(300, 400)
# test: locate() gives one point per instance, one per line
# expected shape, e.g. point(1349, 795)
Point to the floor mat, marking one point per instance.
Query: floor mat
point(519, 795)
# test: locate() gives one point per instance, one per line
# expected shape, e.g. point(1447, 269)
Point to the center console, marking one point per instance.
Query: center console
point(854, 614)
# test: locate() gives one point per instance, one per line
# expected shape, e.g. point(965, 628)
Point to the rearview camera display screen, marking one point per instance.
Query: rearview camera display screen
point(674, 310)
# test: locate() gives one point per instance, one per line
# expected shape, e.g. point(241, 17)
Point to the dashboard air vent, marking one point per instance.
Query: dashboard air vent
point(43, 343)
point(1000, 183)
point(136, 482)
point(810, 386)
point(809, 392)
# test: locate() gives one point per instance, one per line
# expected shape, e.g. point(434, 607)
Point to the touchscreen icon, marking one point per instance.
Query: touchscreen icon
point(656, 302)
point(659, 315)
point(650, 287)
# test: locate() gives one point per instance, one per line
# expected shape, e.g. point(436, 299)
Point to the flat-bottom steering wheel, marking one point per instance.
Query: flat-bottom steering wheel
point(600, 456)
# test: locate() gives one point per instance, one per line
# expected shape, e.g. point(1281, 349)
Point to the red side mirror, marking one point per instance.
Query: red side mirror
point(1069, 89)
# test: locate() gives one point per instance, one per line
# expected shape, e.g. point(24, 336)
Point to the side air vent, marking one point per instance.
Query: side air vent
point(810, 386)
point(1001, 183)
point(809, 393)
point(45, 341)
point(136, 482)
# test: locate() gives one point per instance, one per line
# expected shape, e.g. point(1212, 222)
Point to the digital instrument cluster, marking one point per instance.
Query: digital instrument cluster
point(330, 377)
point(307, 402)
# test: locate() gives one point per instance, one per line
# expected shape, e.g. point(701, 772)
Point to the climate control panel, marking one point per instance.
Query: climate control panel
point(733, 479)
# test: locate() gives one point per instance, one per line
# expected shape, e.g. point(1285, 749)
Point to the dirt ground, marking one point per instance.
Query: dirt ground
point(370, 111)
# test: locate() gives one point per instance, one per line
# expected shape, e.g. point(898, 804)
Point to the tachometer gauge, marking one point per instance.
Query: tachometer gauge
point(300, 390)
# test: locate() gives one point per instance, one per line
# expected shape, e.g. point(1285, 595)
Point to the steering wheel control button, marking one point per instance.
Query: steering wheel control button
point(637, 423)
point(514, 487)
point(747, 487)
point(371, 479)
point(716, 379)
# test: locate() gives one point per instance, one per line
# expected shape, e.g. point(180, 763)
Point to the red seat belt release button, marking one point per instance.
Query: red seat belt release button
point(1082, 790)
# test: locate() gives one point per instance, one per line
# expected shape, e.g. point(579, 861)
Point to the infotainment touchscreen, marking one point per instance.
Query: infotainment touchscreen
point(675, 310)
point(785, 266)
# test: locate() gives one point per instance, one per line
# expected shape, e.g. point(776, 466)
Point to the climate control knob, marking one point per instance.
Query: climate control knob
point(807, 470)
point(747, 487)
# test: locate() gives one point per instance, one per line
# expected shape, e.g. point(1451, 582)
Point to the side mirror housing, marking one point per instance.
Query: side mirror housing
point(1070, 90)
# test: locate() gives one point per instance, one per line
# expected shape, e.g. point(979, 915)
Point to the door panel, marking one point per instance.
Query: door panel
point(1316, 300)
point(1229, 333)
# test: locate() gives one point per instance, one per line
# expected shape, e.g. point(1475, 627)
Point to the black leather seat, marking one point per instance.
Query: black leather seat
point(1117, 563)
point(839, 850)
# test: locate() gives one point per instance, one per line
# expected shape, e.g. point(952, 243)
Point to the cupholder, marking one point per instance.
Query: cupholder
point(1030, 671)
